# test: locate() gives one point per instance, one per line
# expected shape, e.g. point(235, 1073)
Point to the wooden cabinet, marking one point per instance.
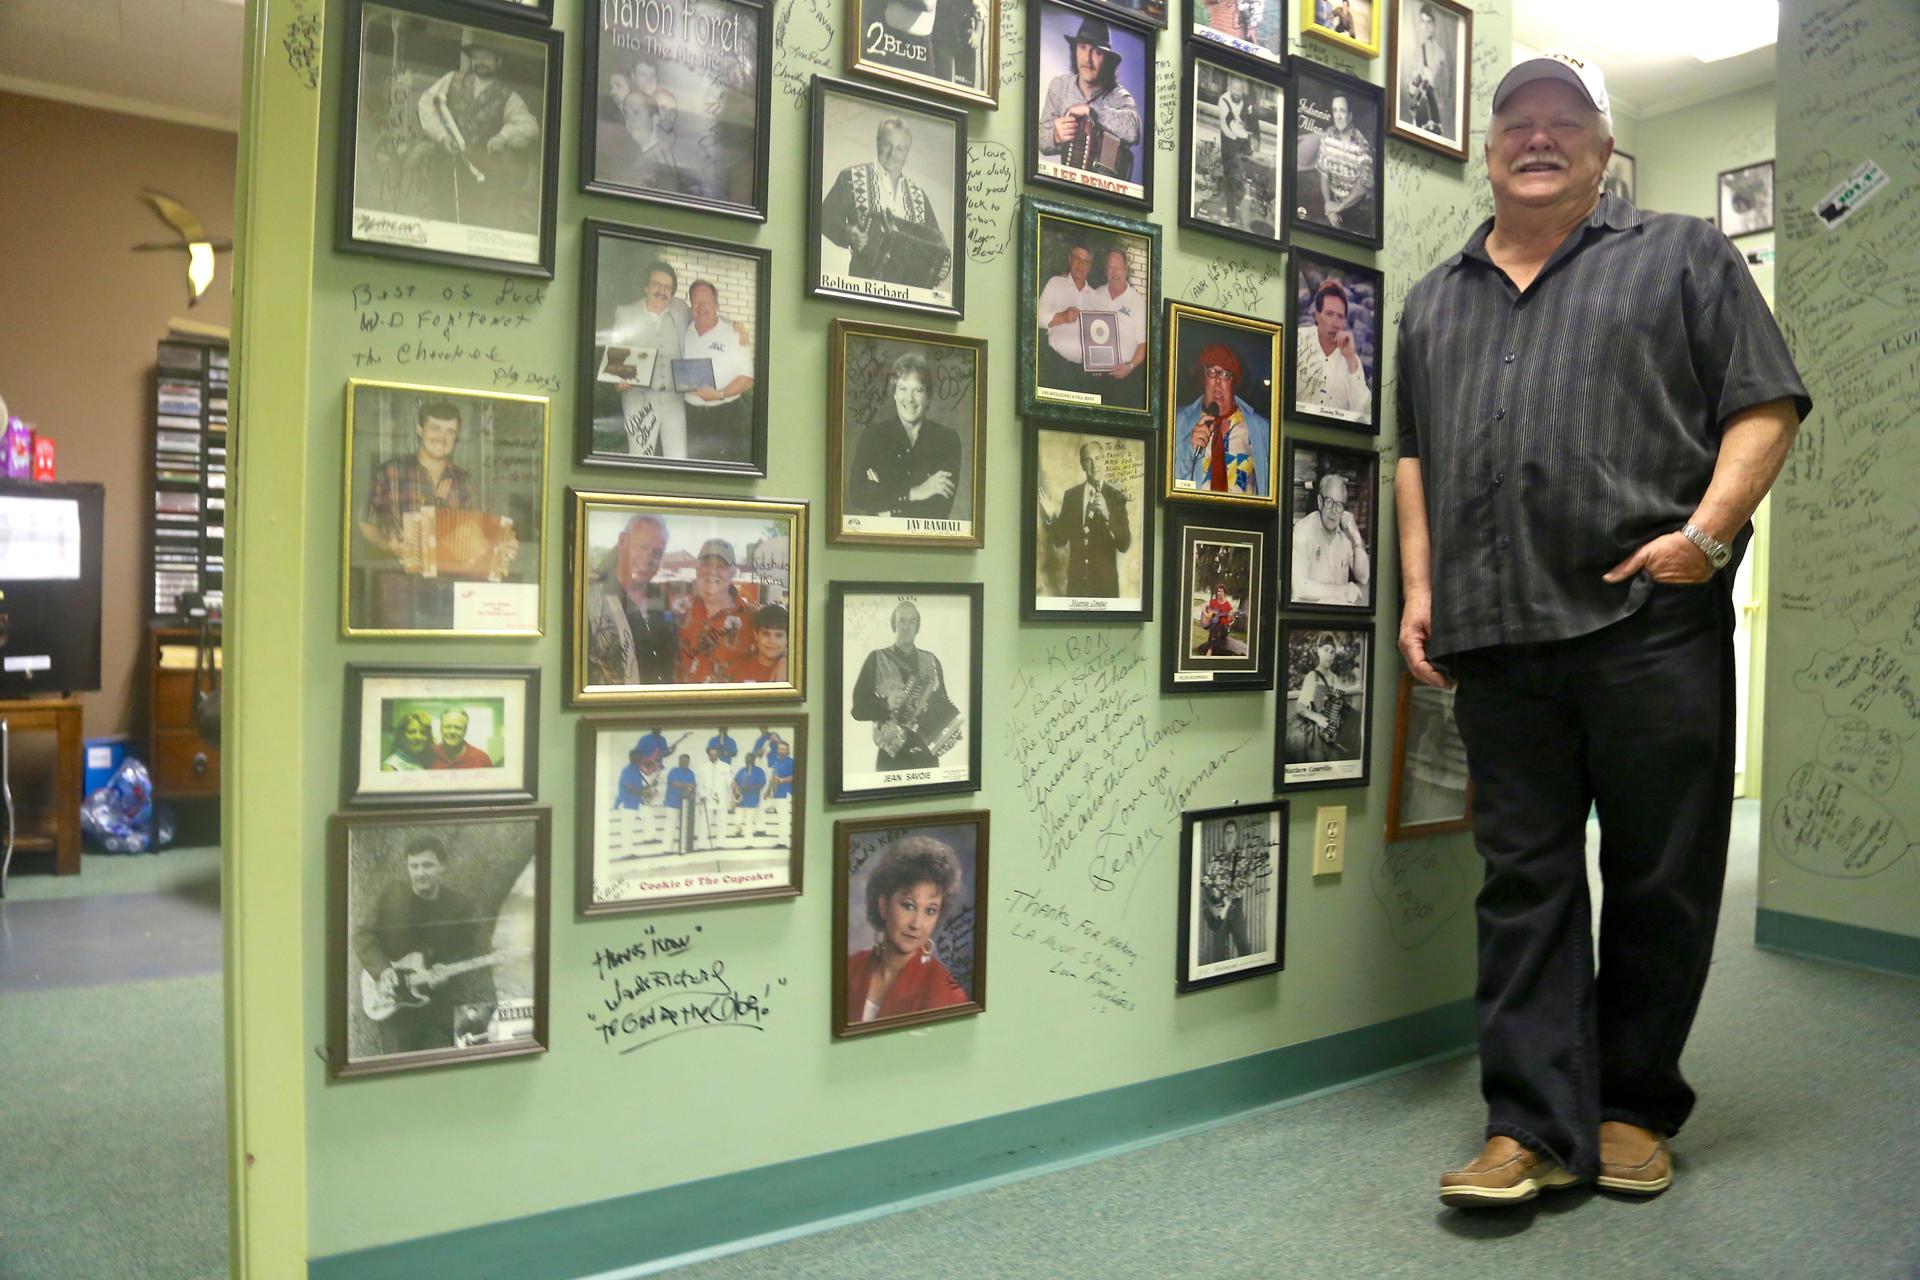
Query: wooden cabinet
point(181, 762)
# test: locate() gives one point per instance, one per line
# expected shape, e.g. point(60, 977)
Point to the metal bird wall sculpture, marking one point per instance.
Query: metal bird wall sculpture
point(193, 237)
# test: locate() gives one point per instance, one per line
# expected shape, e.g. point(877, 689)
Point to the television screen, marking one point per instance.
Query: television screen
point(50, 557)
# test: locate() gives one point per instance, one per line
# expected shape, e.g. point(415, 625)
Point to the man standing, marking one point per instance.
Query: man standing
point(1092, 525)
point(716, 795)
point(630, 640)
point(1226, 438)
point(454, 751)
point(884, 219)
point(1062, 300)
point(1238, 124)
point(1431, 89)
point(717, 632)
point(1088, 120)
point(1329, 377)
point(1330, 560)
point(419, 924)
point(1344, 160)
point(748, 782)
point(682, 796)
point(1125, 384)
point(902, 692)
point(719, 417)
point(1224, 883)
point(780, 767)
point(488, 138)
point(1567, 532)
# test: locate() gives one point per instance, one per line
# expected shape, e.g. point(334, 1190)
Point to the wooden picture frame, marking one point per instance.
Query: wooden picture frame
point(1100, 164)
point(1057, 379)
point(1429, 766)
point(1321, 386)
point(880, 490)
point(925, 55)
point(651, 623)
point(489, 867)
point(1212, 354)
point(1244, 178)
point(421, 192)
point(943, 969)
point(646, 840)
point(1358, 32)
point(1351, 169)
point(927, 740)
point(1233, 895)
point(1334, 746)
point(400, 754)
point(1430, 85)
point(1084, 560)
point(1314, 552)
point(1217, 640)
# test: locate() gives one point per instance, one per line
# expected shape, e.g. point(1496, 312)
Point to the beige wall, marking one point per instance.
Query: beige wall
point(81, 312)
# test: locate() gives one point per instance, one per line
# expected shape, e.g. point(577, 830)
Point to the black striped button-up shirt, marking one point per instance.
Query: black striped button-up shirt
point(1561, 427)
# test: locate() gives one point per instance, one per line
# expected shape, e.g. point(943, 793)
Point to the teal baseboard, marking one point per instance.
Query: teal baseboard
point(1852, 944)
point(636, 1234)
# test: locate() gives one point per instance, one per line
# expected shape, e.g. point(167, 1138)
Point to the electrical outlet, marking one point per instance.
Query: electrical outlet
point(1329, 840)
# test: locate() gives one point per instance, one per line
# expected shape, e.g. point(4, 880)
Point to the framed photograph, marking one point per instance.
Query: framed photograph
point(1339, 154)
point(675, 104)
point(886, 209)
point(418, 734)
point(906, 426)
point(1430, 78)
point(1090, 290)
point(531, 10)
point(1233, 894)
point(1350, 24)
point(950, 49)
point(1619, 179)
point(1331, 517)
point(1322, 734)
point(1151, 12)
point(652, 304)
point(1336, 323)
point(903, 688)
point(1256, 29)
point(685, 600)
point(1090, 88)
point(449, 150)
point(1746, 200)
point(1231, 126)
point(446, 512)
point(909, 920)
point(1217, 616)
point(437, 938)
point(690, 810)
point(1087, 540)
point(1223, 396)
point(1431, 793)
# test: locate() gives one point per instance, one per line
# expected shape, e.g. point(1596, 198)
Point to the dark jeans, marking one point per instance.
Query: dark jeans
point(1636, 719)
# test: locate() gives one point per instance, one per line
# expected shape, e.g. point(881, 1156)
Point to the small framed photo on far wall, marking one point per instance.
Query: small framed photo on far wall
point(1087, 537)
point(1431, 792)
point(906, 423)
point(909, 920)
point(1323, 734)
point(1745, 198)
point(418, 734)
point(1430, 80)
point(1233, 894)
point(1334, 375)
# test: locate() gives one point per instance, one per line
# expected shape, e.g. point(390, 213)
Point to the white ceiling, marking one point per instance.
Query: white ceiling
point(180, 59)
point(1642, 80)
point(174, 59)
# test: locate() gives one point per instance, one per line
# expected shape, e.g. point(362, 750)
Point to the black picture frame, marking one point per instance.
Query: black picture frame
point(1419, 96)
point(854, 349)
point(700, 259)
point(603, 120)
point(1079, 179)
point(1296, 740)
point(540, 11)
point(1041, 385)
point(917, 255)
point(873, 605)
point(885, 52)
point(1201, 542)
point(1269, 51)
point(1363, 292)
point(1253, 345)
point(1359, 469)
point(1744, 200)
point(1152, 13)
point(514, 870)
point(439, 688)
point(949, 978)
point(1314, 88)
point(1263, 77)
point(355, 225)
point(1621, 178)
point(1054, 559)
point(664, 878)
point(1232, 897)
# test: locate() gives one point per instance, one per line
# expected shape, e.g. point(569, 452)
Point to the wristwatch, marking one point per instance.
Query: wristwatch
point(1718, 553)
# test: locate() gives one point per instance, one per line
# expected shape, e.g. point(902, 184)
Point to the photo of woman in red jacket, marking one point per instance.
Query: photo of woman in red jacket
point(915, 881)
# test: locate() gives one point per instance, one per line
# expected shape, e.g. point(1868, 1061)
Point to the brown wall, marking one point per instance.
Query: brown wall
point(80, 313)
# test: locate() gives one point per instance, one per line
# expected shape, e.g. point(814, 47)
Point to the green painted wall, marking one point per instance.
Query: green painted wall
point(1843, 730)
point(400, 1157)
point(1680, 152)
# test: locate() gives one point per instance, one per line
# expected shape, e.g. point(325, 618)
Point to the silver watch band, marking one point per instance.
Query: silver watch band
point(1716, 551)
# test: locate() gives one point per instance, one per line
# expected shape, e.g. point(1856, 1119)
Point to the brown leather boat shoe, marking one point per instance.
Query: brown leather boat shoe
point(1503, 1173)
point(1633, 1159)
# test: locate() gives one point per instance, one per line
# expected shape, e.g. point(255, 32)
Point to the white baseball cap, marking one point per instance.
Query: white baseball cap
point(1558, 64)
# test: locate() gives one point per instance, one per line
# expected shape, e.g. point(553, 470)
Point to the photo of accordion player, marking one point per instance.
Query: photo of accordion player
point(885, 220)
point(904, 695)
point(1088, 120)
point(903, 252)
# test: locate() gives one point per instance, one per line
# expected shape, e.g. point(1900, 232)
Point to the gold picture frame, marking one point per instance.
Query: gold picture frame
point(1367, 18)
point(1235, 465)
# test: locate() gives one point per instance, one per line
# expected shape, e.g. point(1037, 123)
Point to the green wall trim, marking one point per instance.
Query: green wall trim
point(1852, 944)
point(641, 1233)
